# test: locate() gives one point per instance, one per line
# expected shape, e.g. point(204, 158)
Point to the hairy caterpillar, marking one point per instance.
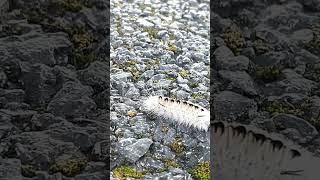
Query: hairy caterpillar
point(245, 152)
point(242, 152)
point(182, 112)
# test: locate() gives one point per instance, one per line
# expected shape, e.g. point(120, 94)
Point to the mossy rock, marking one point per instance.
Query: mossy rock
point(172, 47)
point(152, 32)
point(124, 172)
point(184, 73)
point(71, 5)
point(177, 146)
point(268, 74)
point(132, 113)
point(69, 168)
point(28, 170)
point(170, 163)
point(198, 96)
point(261, 47)
point(313, 72)
point(234, 39)
point(276, 107)
point(82, 59)
point(201, 171)
point(314, 44)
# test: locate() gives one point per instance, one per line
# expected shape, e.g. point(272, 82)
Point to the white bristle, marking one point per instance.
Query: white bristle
point(244, 152)
point(181, 112)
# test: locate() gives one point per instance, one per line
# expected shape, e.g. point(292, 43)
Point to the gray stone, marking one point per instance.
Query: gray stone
point(73, 100)
point(285, 121)
point(302, 35)
point(133, 149)
point(230, 106)
point(49, 49)
point(239, 80)
point(4, 6)
point(10, 169)
point(240, 63)
point(147, 74)
point(13, 95)
point(3, 78)
point(222, 53)
point(96, 76)
point(39, 82)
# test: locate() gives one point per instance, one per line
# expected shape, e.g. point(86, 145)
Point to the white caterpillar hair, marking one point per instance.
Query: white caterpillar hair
point(182, 112)
point(245, 152)
point(242, 152)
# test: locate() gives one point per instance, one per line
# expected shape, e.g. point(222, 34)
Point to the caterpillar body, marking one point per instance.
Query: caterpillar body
point(245, 152)
point(241, 151)
point(181, 112)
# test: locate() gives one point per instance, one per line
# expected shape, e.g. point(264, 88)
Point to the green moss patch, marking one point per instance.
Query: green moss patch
point(28, 170)
point(201, 171)
point(177, 146)
point(69, 168)
point(124, 172)
point(234, 39)
point(268, 74)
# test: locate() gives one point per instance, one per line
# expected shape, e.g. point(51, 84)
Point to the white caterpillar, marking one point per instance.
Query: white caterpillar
point(242, 152)
point(182, 112)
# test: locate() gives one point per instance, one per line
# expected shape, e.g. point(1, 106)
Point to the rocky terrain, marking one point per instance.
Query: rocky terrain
point(55, 70)
point(158, 48)
point(54, 79)
point(266, 66)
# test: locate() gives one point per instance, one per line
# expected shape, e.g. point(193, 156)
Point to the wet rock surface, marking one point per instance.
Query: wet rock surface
point(50, 124)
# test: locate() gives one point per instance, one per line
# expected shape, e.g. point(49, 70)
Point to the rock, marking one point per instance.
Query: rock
point(145, 23)
point(4, 7)
point(40, 122)
point(100, 150)
point(230, 106)
point(313, 5)
point(96, 76)
point(102, 99)
point(18, 27)
point(3, 78)
point(94, 19)
point(147, 74)
point(73, 100)
point(150, 163)
point(6, 127)
point(49, 49)
point(173, 174)
point(240, 63)
point(10, 169)
point(11, 67)
point(295, 83)
point(222, 53)
point(20, 118)
point(133, 149)
point(302, 36)
point(39, 82)
point(13, 95)
point(92, 176)
point(41, 150)
point(239, 80)
point(63, 75)
point(284, 121)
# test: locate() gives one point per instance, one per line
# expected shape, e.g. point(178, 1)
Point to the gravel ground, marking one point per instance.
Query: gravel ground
point(158, 48)
point(54, 82)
